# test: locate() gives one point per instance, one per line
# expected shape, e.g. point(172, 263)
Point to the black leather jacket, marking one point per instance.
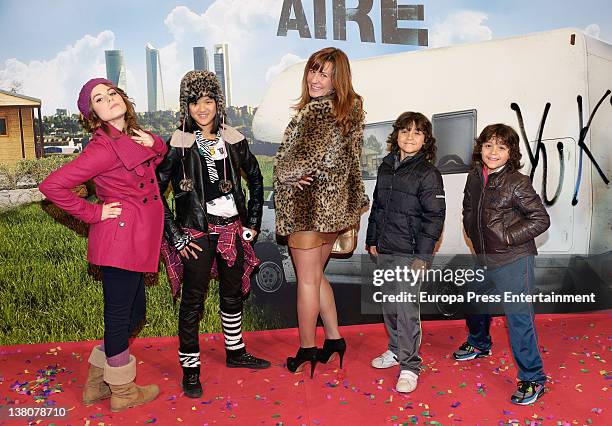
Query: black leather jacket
point(503, 218)
point(190, 206)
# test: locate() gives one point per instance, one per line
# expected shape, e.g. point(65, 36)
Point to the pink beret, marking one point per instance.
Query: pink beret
point(85, 93)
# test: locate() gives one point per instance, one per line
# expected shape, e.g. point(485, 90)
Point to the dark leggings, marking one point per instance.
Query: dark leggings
point(124, 307)
point(195, 288)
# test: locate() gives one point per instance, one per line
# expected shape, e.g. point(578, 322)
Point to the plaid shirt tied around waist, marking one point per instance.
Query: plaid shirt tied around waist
point(226, 247)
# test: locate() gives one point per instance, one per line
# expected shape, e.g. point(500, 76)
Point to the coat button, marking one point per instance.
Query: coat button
point(122, 224)
point(145, 200)
point(155, 197)
point(152, 180)
point(141, 185)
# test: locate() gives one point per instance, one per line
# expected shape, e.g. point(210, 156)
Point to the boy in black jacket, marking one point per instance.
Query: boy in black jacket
point(405, 223)
point(502, 214)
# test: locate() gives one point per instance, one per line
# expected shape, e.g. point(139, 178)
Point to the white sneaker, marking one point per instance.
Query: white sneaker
point(385, 360)
point(407, 381)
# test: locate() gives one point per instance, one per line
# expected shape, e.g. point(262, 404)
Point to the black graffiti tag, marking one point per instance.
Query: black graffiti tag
point(534, 159)
point(583, 148)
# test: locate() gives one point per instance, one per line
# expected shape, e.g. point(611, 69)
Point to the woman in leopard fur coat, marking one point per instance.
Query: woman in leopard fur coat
point(319, 192)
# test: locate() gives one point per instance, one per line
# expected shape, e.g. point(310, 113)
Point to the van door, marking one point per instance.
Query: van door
point(559, 174)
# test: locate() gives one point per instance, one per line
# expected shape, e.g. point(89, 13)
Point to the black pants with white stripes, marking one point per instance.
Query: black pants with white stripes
point(194, 291)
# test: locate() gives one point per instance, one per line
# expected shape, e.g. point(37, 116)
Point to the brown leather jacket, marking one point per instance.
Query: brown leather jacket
point(502, 219)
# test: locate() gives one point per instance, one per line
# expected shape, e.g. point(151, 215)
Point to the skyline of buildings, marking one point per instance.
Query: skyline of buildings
point(200, 58)
point(223, 70)
point(155, 86)
point(115, 68)
point(116, 71)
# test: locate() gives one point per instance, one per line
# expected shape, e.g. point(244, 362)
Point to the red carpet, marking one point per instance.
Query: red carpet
point(574, 348)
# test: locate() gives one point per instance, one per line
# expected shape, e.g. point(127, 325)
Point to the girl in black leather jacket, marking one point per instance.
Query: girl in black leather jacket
point(213, 226)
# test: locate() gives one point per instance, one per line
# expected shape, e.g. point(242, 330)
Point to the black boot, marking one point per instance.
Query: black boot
point(243, 359)
point(191, 382)
point(303, 355)
point(330, 347)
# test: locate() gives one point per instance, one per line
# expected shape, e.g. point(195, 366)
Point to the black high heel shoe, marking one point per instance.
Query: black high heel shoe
point(330, 347)
point(303, 355)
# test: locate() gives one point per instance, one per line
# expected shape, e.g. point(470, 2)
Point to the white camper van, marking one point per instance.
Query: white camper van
point(462, 89)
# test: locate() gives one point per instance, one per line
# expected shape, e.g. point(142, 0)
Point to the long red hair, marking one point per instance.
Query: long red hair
point(344, 96)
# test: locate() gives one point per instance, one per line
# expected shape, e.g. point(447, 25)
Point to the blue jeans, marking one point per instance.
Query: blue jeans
point(124, 307)
point(517, 278)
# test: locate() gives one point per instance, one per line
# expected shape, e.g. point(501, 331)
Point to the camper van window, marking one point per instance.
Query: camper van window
point(374, 147)
point(2, 126)
point(455, 133)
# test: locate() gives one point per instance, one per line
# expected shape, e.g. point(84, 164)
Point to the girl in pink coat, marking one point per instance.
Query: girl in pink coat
point(125, 230)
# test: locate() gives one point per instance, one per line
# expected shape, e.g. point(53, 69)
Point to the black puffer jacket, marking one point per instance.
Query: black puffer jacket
point(502, 219)
point(191, 206)
point(408, 209)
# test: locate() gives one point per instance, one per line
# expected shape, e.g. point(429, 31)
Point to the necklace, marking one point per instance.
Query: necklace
point(225, 185)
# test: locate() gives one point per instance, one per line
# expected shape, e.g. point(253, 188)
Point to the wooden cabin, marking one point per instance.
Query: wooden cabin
point(18, 138)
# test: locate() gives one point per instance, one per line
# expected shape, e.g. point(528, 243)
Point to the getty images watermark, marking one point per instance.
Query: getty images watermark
point(397, 285)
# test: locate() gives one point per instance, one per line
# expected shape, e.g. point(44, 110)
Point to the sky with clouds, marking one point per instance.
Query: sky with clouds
point(55, 46)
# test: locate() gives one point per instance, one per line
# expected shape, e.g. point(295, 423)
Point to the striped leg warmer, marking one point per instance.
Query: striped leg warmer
point(232, 331)
point(189, 360)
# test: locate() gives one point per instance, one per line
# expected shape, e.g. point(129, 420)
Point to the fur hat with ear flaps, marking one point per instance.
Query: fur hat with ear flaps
point(196, 84)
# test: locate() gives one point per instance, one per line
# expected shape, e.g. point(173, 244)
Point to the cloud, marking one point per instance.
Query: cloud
point(285, 62)
point(223, 20)
point(244, 26)
point(461, 27)
point(249, 28)
point(137, 88)
point(57, 81)
point(593, 30)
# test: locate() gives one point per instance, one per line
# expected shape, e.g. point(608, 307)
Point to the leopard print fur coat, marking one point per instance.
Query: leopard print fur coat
point(314, 143)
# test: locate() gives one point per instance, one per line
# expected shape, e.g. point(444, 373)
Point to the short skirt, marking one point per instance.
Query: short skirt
point(311, 239)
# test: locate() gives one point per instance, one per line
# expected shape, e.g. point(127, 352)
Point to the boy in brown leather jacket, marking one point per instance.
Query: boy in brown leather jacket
point(502, 214)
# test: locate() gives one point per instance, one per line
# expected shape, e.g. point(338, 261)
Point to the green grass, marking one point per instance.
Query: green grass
point(266, 164)
point(48, 293)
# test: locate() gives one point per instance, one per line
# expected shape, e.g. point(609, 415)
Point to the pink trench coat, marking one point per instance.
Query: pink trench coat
point(123, 171)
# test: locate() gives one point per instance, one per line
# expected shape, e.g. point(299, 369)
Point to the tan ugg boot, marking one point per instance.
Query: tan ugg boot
point(95, 388)
point(125, 393)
